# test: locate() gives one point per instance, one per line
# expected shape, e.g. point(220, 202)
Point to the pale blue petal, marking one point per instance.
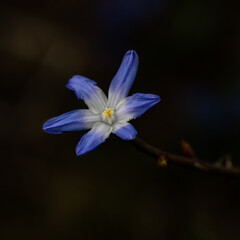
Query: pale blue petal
point(76, 120)
point(123, 80)
point(91, 140)
point(134, 106)
point(125, 131)
point(88, 90)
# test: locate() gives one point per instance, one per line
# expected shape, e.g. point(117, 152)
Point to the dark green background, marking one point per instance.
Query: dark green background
point(189, 54)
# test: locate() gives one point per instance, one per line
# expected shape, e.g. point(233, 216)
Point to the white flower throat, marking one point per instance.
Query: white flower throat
point(108, 116)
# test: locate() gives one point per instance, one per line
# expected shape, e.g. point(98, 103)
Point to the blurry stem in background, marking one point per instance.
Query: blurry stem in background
point(193, 162)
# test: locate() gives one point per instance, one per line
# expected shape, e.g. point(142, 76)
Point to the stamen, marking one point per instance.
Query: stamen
point(108, 115)
point(108, 112)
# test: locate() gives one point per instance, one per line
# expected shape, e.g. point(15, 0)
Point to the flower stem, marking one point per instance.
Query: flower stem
point(193, 162)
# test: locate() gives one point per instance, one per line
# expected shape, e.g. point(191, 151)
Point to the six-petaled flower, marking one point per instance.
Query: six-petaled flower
point(105, 115)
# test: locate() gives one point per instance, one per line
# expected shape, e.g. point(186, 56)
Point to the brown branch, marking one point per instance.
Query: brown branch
point(186, 161)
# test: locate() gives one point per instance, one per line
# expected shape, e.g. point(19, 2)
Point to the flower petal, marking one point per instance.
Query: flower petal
point(123, 80)
point(125, 131)
point(134, 106)
point(88, 90)
point(76, 120)
point(91, 140)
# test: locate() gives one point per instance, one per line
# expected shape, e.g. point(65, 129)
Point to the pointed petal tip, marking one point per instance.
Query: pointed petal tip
point(79, 149)
point(44, 127)
point(150, 97)
point(125, 131)
point(80, 152)
point(83, 151)
point(131, 52)
point(82, 148)
point(154, 99)
point(49, 130)
point(80, 78)
point(70, 86)
point(158, 99)
point(47, 127)
point(135, 106)
point(132, 56)
point(95, 137)
point(132, 135)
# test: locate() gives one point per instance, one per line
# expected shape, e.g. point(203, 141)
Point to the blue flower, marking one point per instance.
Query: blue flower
point(105, 115)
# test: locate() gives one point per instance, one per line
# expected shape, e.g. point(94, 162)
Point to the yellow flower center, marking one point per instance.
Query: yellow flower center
point(109, 112)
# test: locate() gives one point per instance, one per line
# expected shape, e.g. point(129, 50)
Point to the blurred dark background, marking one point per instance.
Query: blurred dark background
point(189, 55)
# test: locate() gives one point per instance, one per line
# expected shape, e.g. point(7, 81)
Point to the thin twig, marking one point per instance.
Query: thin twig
point(187, 161)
